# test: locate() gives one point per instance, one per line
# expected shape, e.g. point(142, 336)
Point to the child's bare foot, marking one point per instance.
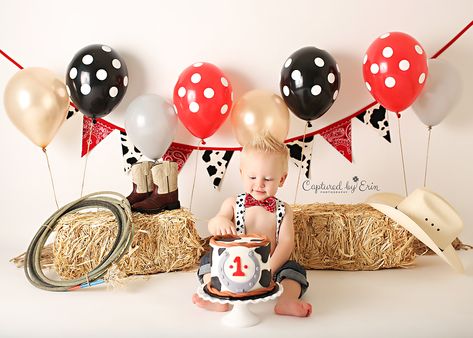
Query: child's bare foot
point(291, 307)
point(209, 305)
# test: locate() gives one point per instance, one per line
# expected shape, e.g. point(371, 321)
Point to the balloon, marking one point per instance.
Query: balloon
point(395, 70)
point(97, 79)
point(151, 123)
point(203, 98)
point(260, 112)
point(442, 90)
point(310, 81)
point(36, 102)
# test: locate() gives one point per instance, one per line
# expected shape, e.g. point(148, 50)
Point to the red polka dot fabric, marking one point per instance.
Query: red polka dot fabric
point(395, 70)
point(203, 99)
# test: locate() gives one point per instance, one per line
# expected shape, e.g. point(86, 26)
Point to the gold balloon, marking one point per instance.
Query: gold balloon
point(260, 112)
point(36, 101)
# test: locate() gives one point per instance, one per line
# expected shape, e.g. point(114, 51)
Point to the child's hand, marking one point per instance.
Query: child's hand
point(221, 226)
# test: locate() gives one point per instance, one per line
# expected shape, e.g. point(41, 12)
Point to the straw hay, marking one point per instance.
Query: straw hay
point(46, 259)
point(327, 236)
point(349, 237)
point(164, 242)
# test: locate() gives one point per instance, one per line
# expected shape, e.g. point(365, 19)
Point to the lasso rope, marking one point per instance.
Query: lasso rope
point(112, 201)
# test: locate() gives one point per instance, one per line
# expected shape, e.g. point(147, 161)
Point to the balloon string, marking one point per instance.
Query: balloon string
point(427, 156)
point(51, 177)
point(195, 174)
point(86, 157)
point(300, 164)
point(402, 153)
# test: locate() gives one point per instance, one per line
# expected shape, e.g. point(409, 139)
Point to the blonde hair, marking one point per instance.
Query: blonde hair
point(267, 143)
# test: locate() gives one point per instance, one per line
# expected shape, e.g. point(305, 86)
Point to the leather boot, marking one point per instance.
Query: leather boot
point(142, 182)
point(165, 193)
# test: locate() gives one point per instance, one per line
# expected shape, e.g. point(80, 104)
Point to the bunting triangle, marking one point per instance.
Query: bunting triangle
point(216, 162)
point(339, 136)
point(377, 118)
point(131, 154)
point(300, 155)
point(94, 133)
point(179, 153)
point(71, 111)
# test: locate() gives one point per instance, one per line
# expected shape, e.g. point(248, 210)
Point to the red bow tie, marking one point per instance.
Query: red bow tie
point(269, 203)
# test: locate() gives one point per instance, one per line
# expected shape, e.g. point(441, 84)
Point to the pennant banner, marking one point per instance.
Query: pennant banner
point(94, 132)
point(131, 154)
point(300, 155)
point(377, 118)
point(217, 163)
point(339, 136)
point(71, 111)
point(179, 153)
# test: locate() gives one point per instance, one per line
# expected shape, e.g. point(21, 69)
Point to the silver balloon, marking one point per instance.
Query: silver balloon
point(151, 123)
point(442, 90)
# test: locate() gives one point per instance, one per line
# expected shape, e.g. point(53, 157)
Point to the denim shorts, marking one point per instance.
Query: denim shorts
point(290, 270)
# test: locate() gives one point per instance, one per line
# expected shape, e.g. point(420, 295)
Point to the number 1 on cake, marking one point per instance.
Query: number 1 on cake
point(239, 272)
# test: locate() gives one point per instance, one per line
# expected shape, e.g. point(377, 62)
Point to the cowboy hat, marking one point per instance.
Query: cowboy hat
point(427, 216)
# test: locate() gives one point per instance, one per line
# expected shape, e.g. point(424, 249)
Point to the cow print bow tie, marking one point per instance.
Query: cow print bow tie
point(269, 203)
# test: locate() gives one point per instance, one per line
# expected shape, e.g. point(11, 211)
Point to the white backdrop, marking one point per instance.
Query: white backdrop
point(249, 41)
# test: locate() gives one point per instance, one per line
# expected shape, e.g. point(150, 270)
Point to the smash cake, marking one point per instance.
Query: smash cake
point(240, 267)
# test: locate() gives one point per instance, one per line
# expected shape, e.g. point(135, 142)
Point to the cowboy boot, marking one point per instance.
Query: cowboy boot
point(165, 192)
point(142, 182)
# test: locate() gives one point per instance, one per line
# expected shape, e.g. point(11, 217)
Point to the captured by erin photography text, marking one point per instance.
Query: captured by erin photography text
point(341, 187)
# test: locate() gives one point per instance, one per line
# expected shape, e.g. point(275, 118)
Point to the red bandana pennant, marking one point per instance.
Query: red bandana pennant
point(100, 130)
point(178, 153)
point(339, 136)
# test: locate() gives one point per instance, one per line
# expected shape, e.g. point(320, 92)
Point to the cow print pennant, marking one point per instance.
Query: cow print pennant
point(297, 149)
point(131, 154)
point(377, 118)
point(217, 163)
point(71, 111)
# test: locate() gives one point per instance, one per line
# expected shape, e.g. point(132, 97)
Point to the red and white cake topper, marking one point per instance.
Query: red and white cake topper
point(203, 98)
point(395, 70)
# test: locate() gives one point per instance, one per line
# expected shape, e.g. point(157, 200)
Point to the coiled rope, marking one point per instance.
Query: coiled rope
point(112, 201)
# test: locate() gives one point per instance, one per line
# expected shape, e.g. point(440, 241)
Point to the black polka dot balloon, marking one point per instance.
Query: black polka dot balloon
point(96, 79)
point(310, 82)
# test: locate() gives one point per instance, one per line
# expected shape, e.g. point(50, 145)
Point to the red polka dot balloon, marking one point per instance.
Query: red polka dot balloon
point(203, 99)
point(395, 70)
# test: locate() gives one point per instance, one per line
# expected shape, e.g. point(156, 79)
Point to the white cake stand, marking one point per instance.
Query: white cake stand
point(240, 315)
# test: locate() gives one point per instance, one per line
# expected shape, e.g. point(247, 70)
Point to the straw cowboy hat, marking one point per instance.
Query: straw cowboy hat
point(427, 216)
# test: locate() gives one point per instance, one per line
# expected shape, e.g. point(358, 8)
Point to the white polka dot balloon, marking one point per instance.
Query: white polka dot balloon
point(310, 82)
point(203, 98)
point(97, 78)
point(395, 70)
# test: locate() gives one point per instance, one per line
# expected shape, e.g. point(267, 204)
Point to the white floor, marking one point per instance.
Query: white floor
point(429, 300)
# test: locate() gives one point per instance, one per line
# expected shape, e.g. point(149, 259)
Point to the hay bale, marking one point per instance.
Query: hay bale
point(327, 236)
point(349, 237)
point(163, 242)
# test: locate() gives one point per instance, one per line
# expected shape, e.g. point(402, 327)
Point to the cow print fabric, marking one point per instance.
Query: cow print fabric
point(131, 154)
point(377, 118)
point(216, 162)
